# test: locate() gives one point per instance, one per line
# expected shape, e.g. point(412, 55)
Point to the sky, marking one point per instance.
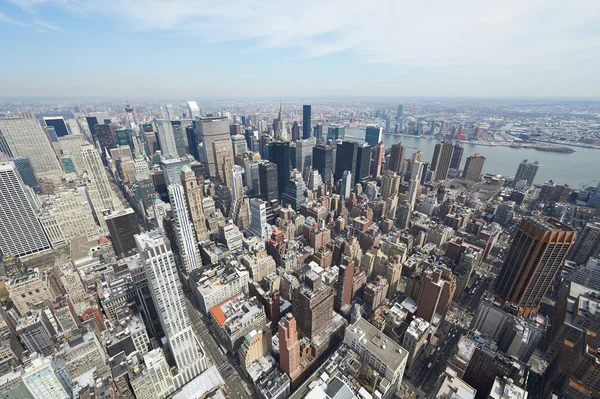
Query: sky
point(253, 48)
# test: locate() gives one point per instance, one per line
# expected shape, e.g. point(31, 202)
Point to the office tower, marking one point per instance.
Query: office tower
point(295, 131)
point(179, 135)
point(473, 167)
point(171, 168)
point(457, 154)
point(587, 244)
point(166, 137)
point(536, 254)
point(313, 304)
point(186, 237)
point(323, 162)
point(396, 161)
point(344, 286)
point(192, 147)
point(193, 197)
point(252, 178)
point(239, 144)
point(20, 231)
point(269, 181)
point(363, 162)
point(373, 135)
point(279, 154)
point(24, 136)
point(255, 345)
point(36, 334)
point(378, 156)
point(122, 226)
point(415, 338)
point(105, 136)
point(193, 110)
point(224, 162)
point(527, 171)
point(101, 193)
point(505, 212)
point(294, 191)
point(304, 154)
point(168, 298)
point(429, 299)
point(45, 380)
point(346, 184)
point(289, 346)
point(92, 121)
point(258, 219)
point(211, 130)
point(336, 133)
point(318, 132)
point(443, 151)
point(346, 154)
point(23, 165)
point(306, 121)
point(123, 137)
point(399, 112)
point(58, 123)
point(390, 184)
point(415, 182)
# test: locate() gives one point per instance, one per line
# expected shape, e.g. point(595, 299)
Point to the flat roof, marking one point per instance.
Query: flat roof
point(379, 344)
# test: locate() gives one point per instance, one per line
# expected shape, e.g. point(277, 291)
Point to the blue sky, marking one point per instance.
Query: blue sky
point(245, 48)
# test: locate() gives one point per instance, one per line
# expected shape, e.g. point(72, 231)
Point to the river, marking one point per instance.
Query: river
point(576, 168)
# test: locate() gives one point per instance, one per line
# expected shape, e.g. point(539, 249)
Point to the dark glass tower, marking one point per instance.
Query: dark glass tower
point(456, 156)
point(279, 154)
point(306, 121)
point(190, 132)
point(373, 135)
point(267, 175)
point(347, 152)
point(59, 126)
point(363, 162)
point(92, 121)
point(23, 165)
point(323, 162)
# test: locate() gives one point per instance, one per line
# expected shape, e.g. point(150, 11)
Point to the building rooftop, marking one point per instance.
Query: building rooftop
point(455, 388)
point(376, 342)
point(200, 385)
point(216, 278)
point(504, 388)
point(235, 312)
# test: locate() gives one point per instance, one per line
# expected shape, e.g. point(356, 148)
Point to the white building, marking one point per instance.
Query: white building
point(25, 137)
point(414, 338)
point(378, 350)
point(44, 382)
point(168, 298)
point(186, 237)
point(20, 231)
point(258, 219)
point(71, 145)
point(232, 236)
point(211, 130)
point(159, 372)
point(193, 109)
point(166, 138)
point(239, 144)
point(216, 285)
point(415, 182)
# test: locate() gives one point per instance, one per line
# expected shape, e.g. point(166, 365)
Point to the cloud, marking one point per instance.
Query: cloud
point(6, 19)
point(48, 26)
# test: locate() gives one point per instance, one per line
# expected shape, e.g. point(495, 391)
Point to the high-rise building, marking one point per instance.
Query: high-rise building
point(390, 184)
point(24, 136)
point(269, 183)
point(336, 133)
point(193, 110)
point(168, 298)
point(239, 144)
point(399, 112)
point(313, 304)
point(304, 154)
point(192, 139)
point(527, 171)
point(258, 219)
point(58, 123)
point(415, 338)
point(323, 162)
point(346, 184)
point(295, 131)
point(193, 196)
point(122, 226)
point(379, 155)
point(456, 156)
point(587, 244)
point(223, 152)
point(538, 250)
point(179, 134)
point(344, 286)
point(306, 121)
point(289, 346)
point(166, 137)
point(473, 167)
point(318, 132)
point(346, 154)
point(373, 135)
point(444, 151)
point(430, 298)
point(279, 154)
point(20, 231)
point(105, 136)
point(363, 162)
point(210, 130)
point(186, 237)
point(294, 191)
point(396, 161)
point(36, 333)
point(45, 380)
point(23, 165)
point(415, 182)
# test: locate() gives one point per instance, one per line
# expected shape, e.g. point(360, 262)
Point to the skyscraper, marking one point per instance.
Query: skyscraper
point(323, 162)
point(390, 184)
point(123, 226)
point(193, 110)
point(179, 135)
point(25, 137)
point(346, 154)
point(318, 132)
point(336, 133)
point(279, 154)
point(473, 167)
point(444, 151)
point(527, 171)
point(239, 144)
point(20, 231)
point(223, 152)
point(166, 137)
point(378, 159)
point(395, 164)
point(106, 138)
point(306, 121)
point(456, 156)
point(289, 346)
point(304, 154)
point(415, 182)
point(58, 123)
point(295, 131)
point(313, 303)
point(373, 135)
point(258, 219)
point(363, 162)
point(344, 284)
point(23, 165)
point(346, 184)
point(168, 298)
point(211, 130)
point(399, 112)
point(587, 245)
point(269, 183)
point(536, 254)
point(186, 237)
point(193, 197)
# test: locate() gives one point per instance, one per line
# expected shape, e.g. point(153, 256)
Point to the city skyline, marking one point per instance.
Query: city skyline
point(246, 49)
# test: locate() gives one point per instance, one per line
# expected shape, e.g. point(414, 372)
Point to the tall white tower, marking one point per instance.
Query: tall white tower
point(186, 237)
point(20, 231)
point(166, 138)
point(168, 298)
point(258, 219)
point(415, 181)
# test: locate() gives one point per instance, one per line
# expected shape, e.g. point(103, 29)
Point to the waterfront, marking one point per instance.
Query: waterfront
point(576, 168)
